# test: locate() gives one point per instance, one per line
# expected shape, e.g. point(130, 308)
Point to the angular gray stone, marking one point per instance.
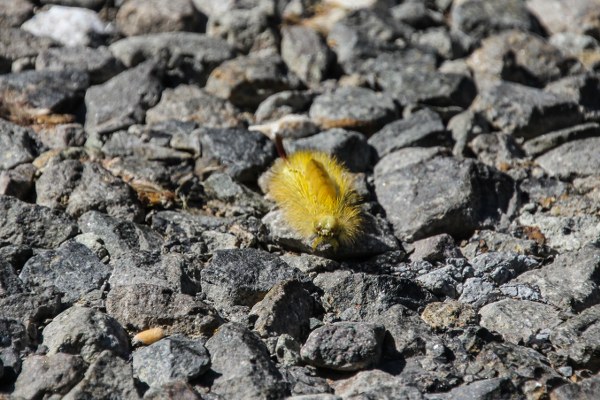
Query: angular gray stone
point(448, 315)
point(109, 376)
point(33, 225)
point(576, 158)
point(422, 129)
point(480, 18)
point(172, 358)
point(243, 276)
point(344, 346)
point(62, 136)
point(377, 384)
point(138, 307)
point(44, 376)
point(189, 55)
point(362, 297)
point(190, 103)
point(567, 16)
point(519, 321)
point(18, 48)
point(585, 390)
point(524, 111)
point(92, 4)
point(542, 144)
point(578, 339)
point(285, 309)
point(138, 17)
point(72, 268)
point(87, 332)
point(18, 145)
point(172, 390)
point(353, 108)
point(502, 267)
point(349, 147)
point(248, 80)
point(241, 365)
point(435, 248)
point(485, 389)
point(570, 281)
point(32, 94)
point(441, 195)
point(283, 103)
point(123, 100)
point(305, 53)
point(99, 63)
point(14, 12)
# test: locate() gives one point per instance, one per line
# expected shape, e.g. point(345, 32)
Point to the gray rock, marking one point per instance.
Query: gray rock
point(123, 100)
point(14, 13)
point(519, 321)
point(353, 108)
point(248, 80)
point(376, 384)
point(71, 26)
point(243, 276)
point(478, 291)
point(33, 225)
point(520, 57)
point(62, 136)
point(493, 388)
point(139, 17)
point(246, 29)
point(409, 58)
point(18, 144)
point(138, 142)
point(120, 237)
point(416, 15)
point(577, 339)
point(344, 346)
point(107, 377)
point(448, 315)
point(362, 297)
point(309, 263)
point(18, 48)
point(459, 196)
point(503, 242)
point(31, 94)
point(241, 365)
point(169, 359)
point(542, 144)
point(189, 103)
point(15, 339)
point(140, 306)
point(304, 381)
point(99, 63)
point(440, 282)
point(447, 44)
point(576, 158)
point(569, 282)
point(305, 53)
point(18, 182)
point(44, 376)
point(422, 129)
point(87, 332)
point(93, 4)
point(245, 154)
point(72, 268)
point(579, 88)
point(172, 390)
point(10, 283)
point(81, 188)
point(480, 18)
point(525, 112)
point(562, 15)
point(585, 390)
point(502, 267)
point(435, 248)
point(464, 127)
point(285, 309)
point(498, 150)
point(431, 88)
point(188, 55)
point(283, 103)
point(187, 224)
point(349, 147)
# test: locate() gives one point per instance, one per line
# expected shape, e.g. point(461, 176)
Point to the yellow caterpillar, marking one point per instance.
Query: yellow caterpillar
point(317, 196)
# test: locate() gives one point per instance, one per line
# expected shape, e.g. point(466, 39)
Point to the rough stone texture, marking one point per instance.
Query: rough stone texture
point(191, 56)
point(376, 384)
point(243, 276)
point(138, 307)
point(72, 268)
point(30, 94)
point(19, 47)
point(586, 390)
point(578, 157)
point(563, 15)
point(525, 112)
point(449, 315)
point(457, 198)
point(189, 103)
point(44, 376)
point(285, 309)
point(493, 388)
point(33, 225)
point(169, 359)
point(14, 12)
point(173, 390)
point(570, 281)
point(123, 100)
point(241, 365)
point(577, 339)
point(107, 377)
point(305, 53)
point(248, 80)
point(435, 248)
point(138, 17)
point(542, 144)
point(352, 108)
point(518, 321)
point(99, 63)
point(423, 128)
point(18, 145)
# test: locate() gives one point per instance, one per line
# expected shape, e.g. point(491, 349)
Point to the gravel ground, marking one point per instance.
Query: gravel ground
point(134, 140)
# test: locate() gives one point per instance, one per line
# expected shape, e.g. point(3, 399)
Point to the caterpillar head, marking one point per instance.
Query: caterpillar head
point(326, 229)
